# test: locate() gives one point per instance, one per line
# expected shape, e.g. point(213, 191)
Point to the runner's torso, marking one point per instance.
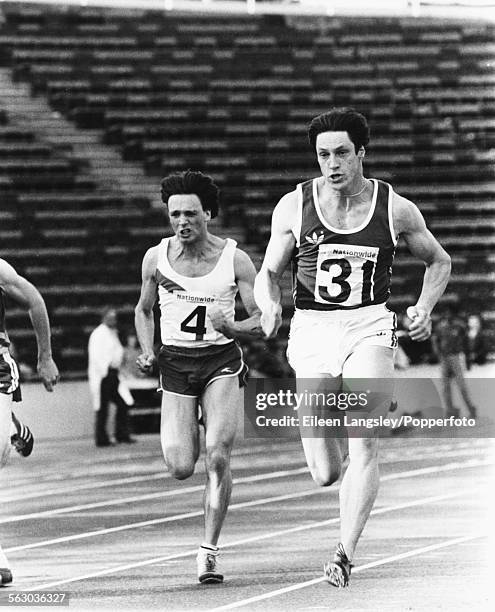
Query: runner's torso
point(185, 301)
point(342, 268)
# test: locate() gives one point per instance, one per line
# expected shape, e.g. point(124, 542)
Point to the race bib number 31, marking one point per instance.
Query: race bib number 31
point(344, 274)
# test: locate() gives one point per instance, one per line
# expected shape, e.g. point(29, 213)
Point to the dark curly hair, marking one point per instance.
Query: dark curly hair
point(188, 182)
point(341, 120)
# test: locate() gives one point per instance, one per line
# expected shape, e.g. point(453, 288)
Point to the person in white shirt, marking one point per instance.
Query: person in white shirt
point(105, 354)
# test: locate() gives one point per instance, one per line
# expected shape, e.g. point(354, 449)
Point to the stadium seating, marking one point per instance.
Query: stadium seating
point(63, 232)
point(232, 95)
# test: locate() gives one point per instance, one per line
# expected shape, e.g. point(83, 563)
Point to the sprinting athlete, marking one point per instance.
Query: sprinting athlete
point(340, 230)
point(197, 276)
point(23, 292)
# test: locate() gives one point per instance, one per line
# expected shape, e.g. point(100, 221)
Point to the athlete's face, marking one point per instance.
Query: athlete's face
point(339, 163)
point(187, 217)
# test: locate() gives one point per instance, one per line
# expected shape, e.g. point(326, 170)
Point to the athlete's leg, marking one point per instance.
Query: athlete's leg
point(458, 370)
point(324, 455)
point(447, 384)
point(221, 404)
point(179, 433)
point(359, 486)
point(5, 421)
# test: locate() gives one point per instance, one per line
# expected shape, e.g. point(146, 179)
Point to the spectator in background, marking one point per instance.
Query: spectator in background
point(449, 345)
point(477, 347)
point(105, 355)
point(265, 361)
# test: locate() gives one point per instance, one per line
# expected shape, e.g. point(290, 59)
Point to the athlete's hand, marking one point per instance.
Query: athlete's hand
point(271, 320)
point(218, 320)
point(145, 362)
point(48, 373)
point(420, 327)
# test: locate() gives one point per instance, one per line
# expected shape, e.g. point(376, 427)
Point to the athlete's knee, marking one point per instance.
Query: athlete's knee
point(179, 466)
point(218, 459)
point(180, 471)
point(324, 476)
point(366, 451)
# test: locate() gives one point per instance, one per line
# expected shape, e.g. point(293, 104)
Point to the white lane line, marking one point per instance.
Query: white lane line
point(261, 450)
point(182, 490)
point(388, 456)
point(149, 496)
point(141, 478)
point(302, 585)
point(160, 521)
point(89, 485)
point(256, 538)
point(240, 505)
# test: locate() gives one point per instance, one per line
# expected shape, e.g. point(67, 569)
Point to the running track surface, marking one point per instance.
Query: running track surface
point(110, 527)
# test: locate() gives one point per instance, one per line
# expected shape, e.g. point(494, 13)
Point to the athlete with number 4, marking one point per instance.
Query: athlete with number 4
point(340, 230)
point(197, 276)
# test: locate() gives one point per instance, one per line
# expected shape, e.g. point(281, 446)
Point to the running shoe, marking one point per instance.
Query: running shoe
point(23, 439)
point(207, 561)
point(338, 571)
point(5, 576)
point(453, 412)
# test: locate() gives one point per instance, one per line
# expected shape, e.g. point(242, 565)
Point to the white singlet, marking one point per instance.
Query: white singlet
point(185, 301)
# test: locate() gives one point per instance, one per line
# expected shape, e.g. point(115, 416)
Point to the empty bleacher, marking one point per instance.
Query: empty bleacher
point(232, 95)
point(73, 240)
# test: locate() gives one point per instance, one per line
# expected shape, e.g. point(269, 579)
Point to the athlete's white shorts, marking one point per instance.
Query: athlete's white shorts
point(321, 341)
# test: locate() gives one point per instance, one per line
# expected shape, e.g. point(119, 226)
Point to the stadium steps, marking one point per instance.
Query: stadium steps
point(105, 165)
point(146, 81)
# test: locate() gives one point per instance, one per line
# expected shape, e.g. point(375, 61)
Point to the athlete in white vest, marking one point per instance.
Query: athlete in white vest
point(340, 231)
point(197, 276)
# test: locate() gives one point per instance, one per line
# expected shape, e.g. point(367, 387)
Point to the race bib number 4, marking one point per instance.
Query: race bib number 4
point(192, 314)
point(344, 274)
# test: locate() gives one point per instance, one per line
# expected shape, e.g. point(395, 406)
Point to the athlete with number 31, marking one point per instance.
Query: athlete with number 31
point(197, 276)
point(340, 230)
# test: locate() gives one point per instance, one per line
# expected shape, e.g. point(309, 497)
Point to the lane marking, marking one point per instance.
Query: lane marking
point(149, 496)
point(257, 538)
point(140, 478)
point(89, 485)
point(160, 521)
point(251, 504)
point(246, 504)
point(302, 585)
point(177, 492)
point(388, 455)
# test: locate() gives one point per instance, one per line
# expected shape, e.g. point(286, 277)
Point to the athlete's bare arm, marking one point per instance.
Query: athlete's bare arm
point(245, 273)
point(144, 320)
point(267, 291)
point(409, 223)
point(26, 294)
